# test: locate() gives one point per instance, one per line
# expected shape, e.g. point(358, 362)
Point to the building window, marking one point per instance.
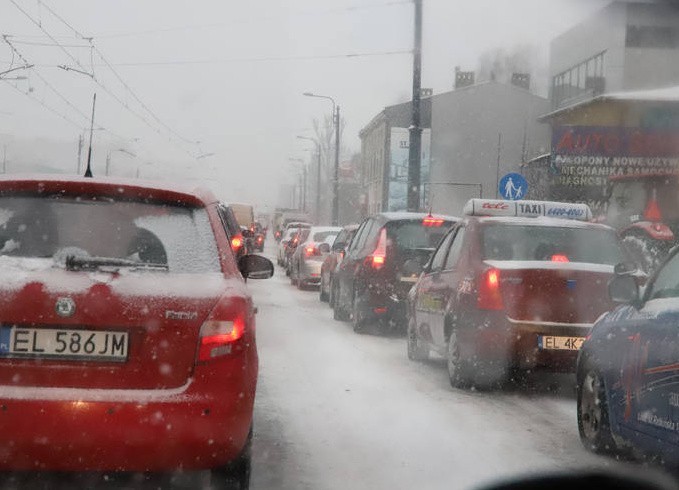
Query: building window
point(664, 37)
point(584, 79)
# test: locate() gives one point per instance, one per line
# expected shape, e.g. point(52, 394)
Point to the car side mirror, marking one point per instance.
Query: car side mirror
point(324, 248)
point(624, 289)
point(255, 267)
point(624, 269)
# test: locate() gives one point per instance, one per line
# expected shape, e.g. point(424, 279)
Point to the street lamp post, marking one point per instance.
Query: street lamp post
point(303, 193)
point(318, 177)
point(336, 122)
point(142, 165)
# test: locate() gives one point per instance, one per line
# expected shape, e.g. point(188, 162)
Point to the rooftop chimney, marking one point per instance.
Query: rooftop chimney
point(463, 78)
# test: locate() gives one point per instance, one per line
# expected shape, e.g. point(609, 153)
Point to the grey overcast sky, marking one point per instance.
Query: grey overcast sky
point(230, 75)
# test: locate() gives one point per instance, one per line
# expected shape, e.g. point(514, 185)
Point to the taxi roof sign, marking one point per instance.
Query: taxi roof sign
point(529, 209)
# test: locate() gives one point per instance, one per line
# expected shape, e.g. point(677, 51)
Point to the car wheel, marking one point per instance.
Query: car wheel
point(592, 407)
point(338, 313)
point(416, 350)
point(357, 318)
point(300, 283)
point(236, 474)
point(458, 369)
point(333, 294)
point(322, 295)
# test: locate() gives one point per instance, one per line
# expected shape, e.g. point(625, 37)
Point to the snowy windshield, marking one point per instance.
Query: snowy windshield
point(57, 227)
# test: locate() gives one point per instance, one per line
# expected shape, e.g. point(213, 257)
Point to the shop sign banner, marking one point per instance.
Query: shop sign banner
point(585, 157)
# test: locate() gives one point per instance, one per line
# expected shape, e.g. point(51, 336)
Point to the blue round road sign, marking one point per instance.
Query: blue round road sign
point(513, 186)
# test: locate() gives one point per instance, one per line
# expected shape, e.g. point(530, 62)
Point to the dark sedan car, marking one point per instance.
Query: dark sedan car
point(331, 261)
point(628, 368)
point(383, 262)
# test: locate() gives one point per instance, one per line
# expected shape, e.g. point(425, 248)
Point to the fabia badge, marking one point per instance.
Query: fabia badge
point(65, 307)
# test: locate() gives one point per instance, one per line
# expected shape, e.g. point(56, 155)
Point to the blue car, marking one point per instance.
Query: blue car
point(628, 368)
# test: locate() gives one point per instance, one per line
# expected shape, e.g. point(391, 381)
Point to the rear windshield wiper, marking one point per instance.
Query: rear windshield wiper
point(74, 263)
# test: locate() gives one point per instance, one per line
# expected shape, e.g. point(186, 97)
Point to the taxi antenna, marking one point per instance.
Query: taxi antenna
point(88, 170)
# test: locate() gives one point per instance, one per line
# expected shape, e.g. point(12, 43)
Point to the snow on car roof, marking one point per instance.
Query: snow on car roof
point(108, 186)
point(540, 221)
point(321, 229)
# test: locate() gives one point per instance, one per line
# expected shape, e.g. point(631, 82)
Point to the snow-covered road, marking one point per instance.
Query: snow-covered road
point(337, 410)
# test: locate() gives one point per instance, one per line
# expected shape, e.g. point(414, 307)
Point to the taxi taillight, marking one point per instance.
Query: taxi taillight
point(489, 296)
point(379, 256)
point(218, 337)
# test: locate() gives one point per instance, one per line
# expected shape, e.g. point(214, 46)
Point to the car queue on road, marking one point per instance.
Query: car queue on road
point(514, 287)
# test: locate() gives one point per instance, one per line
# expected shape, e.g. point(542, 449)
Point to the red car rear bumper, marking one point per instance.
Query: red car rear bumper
point(517, 344)
point(203, 424)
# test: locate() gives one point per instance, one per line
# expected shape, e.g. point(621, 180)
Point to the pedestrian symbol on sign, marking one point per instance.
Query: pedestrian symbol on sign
point(513, 187)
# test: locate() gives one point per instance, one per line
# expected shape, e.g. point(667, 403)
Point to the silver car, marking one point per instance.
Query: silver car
point(306, 262)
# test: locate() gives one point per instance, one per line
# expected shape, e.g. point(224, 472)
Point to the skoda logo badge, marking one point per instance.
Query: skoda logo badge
point(65, 307)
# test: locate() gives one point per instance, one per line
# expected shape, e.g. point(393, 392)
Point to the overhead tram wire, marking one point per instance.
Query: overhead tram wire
point(251, 60)
point(99, 83)
point(264, 59)
point(49, 108)
point(56, 92)
point(117, 75)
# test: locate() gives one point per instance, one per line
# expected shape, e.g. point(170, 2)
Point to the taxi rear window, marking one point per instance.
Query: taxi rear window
point(549, 243)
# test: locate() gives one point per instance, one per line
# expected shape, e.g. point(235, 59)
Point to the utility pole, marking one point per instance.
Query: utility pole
point(415, 146)
point(497, 167)
point(318, 184)
point(335, 193)
point(80, 152)
point(304, 191)
point(4, 159)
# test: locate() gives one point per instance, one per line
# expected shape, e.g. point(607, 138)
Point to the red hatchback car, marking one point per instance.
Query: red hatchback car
point(514, 285)
point(127, 334)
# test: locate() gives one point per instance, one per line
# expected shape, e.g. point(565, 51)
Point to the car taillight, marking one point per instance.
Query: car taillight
point(430, 221)
point(560, 258)
point(490, 297)
point(311, 250)
point(217, 338)
point(236, 243)
point(260, 239)
point(379, 256)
